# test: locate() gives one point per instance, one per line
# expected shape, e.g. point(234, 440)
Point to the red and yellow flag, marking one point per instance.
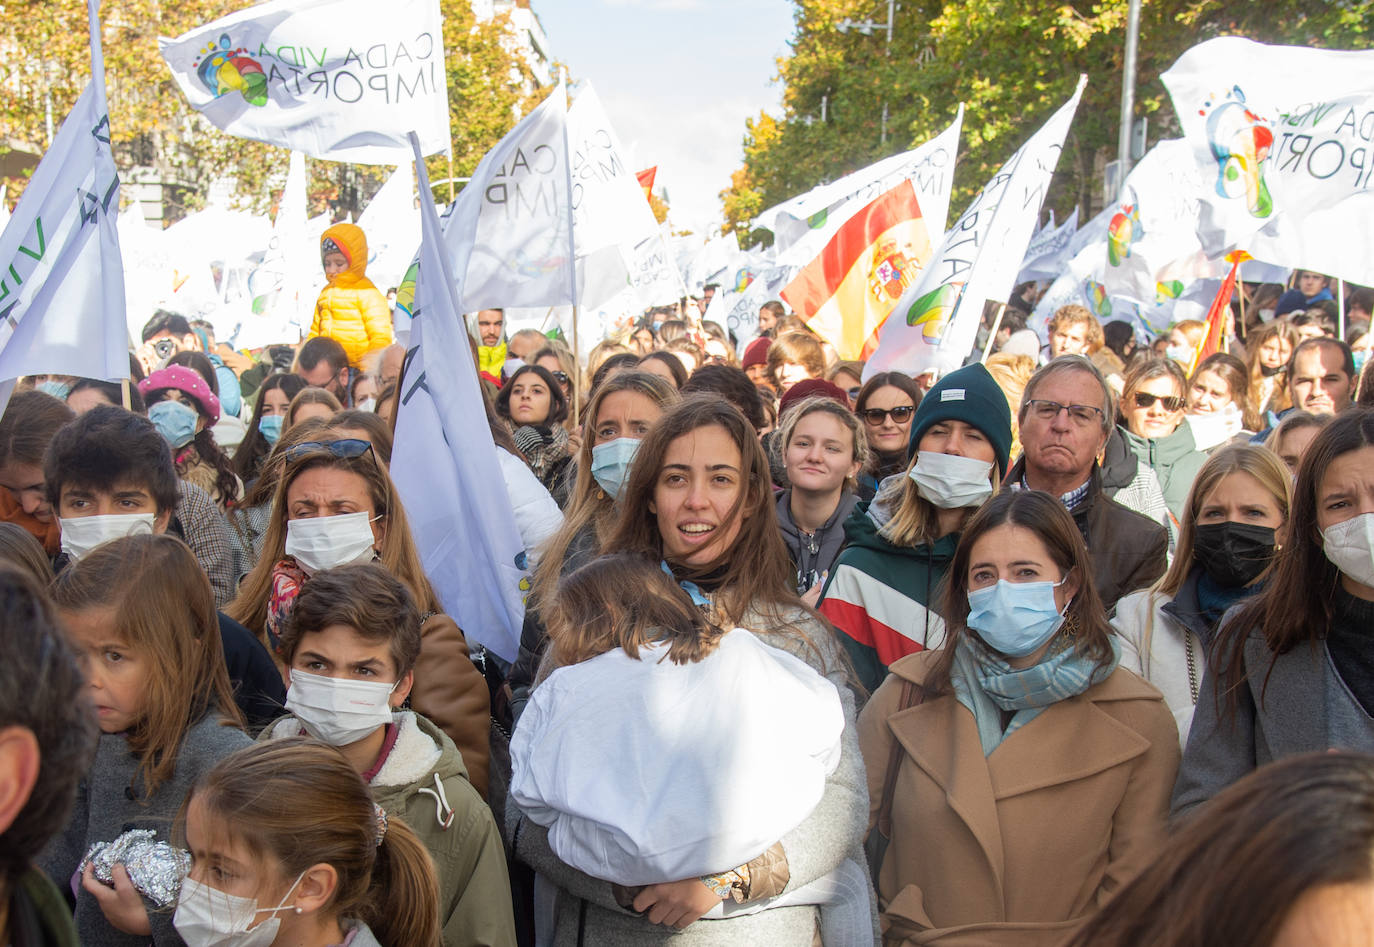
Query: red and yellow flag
point(846, 292)
point(1214, 337)
point(646, 180)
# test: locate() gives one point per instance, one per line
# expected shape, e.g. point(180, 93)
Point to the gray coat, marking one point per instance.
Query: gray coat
point(110, 801)
point(1304, 707)
point(585, 908)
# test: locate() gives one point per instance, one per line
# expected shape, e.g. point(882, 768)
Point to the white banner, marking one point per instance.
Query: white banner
point(1282, 136)
point(345, 80)
point(803, 225)
point(935, 323)
point(1046, 255)
point(444, 462)
point(61, 276)
point(611, 214)
point(392, 224)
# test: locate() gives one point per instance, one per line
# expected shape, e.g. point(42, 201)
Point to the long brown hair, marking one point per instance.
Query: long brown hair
point(1046, 517)
point(626, 601)
point(311, 395)
point(253, 451)
point(590, 506)
point(1278, 399)
point(1296, 604)
point(1235, 870)
point(30, 420)
point(164, 609)
point(1260, 463)
point(396, 552)
point(758, 573)
point(297, 802)
point(1232, 371)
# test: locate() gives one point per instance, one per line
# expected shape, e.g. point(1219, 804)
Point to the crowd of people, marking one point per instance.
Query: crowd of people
point(1067, 646)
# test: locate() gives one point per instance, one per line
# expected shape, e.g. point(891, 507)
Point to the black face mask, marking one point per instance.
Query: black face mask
point(1233, 554)
point(1269, 371)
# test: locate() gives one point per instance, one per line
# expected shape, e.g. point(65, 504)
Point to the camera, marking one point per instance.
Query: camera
point(165, 348)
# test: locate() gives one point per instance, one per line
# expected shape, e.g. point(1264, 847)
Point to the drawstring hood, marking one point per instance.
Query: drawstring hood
point(443, 812)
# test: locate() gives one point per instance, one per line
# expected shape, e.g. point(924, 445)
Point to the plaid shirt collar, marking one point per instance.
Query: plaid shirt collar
point(1071, 500)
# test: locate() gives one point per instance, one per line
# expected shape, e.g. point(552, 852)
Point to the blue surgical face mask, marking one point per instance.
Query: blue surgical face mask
point(1361, 356)
point(1183, 354)
point(270, 427)
point(611, 463)
point(1015, 618)
point(58, 389)
point(176, 422)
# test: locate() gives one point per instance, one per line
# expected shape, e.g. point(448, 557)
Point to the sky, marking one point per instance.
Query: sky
point(678, 78)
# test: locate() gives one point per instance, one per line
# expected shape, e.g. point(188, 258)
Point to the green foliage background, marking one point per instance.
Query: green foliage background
point(1011, 62)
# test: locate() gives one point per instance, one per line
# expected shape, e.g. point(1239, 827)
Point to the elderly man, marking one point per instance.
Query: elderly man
point(1065, 419)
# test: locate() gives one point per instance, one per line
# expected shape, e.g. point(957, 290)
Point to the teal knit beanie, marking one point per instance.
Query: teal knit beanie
point(971, 395)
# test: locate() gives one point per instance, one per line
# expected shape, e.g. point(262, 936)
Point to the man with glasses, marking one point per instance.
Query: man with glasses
point(1065, 421)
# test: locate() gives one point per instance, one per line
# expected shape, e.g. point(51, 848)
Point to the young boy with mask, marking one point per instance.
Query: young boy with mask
point(108, 474)
point(350, 645)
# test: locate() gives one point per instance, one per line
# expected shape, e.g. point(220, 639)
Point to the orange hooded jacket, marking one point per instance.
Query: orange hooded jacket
point(351, 310)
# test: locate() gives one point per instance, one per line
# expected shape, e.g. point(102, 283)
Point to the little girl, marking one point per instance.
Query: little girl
point(140, 614)
point(350, 310)
point(287, 847)
point(662, 748)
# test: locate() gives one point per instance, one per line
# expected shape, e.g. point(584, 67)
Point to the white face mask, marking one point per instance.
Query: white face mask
point(323, 542)
point(337, 710)
point(208, 917)
point(1350, 547)
point(81, 534)
point(951, 482)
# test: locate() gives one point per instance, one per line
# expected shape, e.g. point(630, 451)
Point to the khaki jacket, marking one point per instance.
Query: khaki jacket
point(1018, 847)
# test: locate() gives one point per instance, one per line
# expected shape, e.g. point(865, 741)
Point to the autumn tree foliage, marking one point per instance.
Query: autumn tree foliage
point(1011, 62)
point(46, 64)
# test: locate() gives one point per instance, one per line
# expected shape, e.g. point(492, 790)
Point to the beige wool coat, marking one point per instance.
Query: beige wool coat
point(1018, 847)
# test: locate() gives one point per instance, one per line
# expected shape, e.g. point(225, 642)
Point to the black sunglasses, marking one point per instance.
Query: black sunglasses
point(349, 448)
point(1143, 399)
point(876, 416)
point(560, 377)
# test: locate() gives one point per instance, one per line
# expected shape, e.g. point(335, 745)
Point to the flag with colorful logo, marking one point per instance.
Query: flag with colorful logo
point(345, 80)
point(934, 325)
point(1282, 139)
point(61, 274)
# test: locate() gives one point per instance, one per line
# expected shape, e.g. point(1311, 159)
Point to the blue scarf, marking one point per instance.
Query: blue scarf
point(986, 684)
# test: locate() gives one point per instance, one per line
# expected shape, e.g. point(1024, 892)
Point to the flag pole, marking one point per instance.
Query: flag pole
point(1240, 285)
point(562, 90)
point(992, 336)
point(1340, 309)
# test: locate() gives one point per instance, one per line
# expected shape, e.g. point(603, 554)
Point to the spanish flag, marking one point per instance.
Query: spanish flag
point(646, 180)
point(846, 292)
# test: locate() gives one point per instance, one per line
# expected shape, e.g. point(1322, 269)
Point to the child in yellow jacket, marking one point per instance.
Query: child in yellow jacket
point(350, 310)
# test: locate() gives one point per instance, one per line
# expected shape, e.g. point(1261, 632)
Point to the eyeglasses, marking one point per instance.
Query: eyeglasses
point(900, 415)
point(560, 377)
point(349, 448)
point(1143, 399)
point(1082, 414)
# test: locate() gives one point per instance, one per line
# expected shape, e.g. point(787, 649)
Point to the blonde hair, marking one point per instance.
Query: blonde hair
point(602, 351)
point(164, 609)
point(1192, 329)
point(396, 551)
point(1260, 463)
point(1012, 372)
point(822, 404)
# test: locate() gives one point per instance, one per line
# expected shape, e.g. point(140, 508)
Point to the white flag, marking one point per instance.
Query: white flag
point(619, 242)
point(1046, 255)
point(935, 323)
point(345, 80)
point(444, 462)
point(392, 224)
point(510, 236)
point(803, 225)
point(61, 276)
point(1282, 136)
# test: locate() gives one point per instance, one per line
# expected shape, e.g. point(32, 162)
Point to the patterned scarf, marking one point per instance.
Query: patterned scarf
point(986, 684)
point(287, 579)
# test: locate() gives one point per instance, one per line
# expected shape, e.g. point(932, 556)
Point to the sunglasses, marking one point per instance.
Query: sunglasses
point(854, 394)
point(876, 416)
point(1143, 399)
point(560, 377)
point(348, 448)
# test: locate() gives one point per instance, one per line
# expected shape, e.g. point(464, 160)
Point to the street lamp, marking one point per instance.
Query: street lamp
point(1123, 143)
point(866, 27)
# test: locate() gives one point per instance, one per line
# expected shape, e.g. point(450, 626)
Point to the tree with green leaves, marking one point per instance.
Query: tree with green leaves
point(851, 97)
point(158, 136)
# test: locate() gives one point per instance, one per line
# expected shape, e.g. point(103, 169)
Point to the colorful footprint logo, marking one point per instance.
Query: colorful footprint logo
point(1240, 142)
point(743, 277)
point(933, 310)
point(222, 70)
point(1123, 231)
point(1167, 290)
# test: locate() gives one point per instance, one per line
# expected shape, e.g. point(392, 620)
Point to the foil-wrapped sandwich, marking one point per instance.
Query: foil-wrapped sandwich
point(155, 868)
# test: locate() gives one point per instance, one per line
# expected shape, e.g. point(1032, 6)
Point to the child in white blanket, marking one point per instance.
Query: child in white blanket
point(661, 747)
